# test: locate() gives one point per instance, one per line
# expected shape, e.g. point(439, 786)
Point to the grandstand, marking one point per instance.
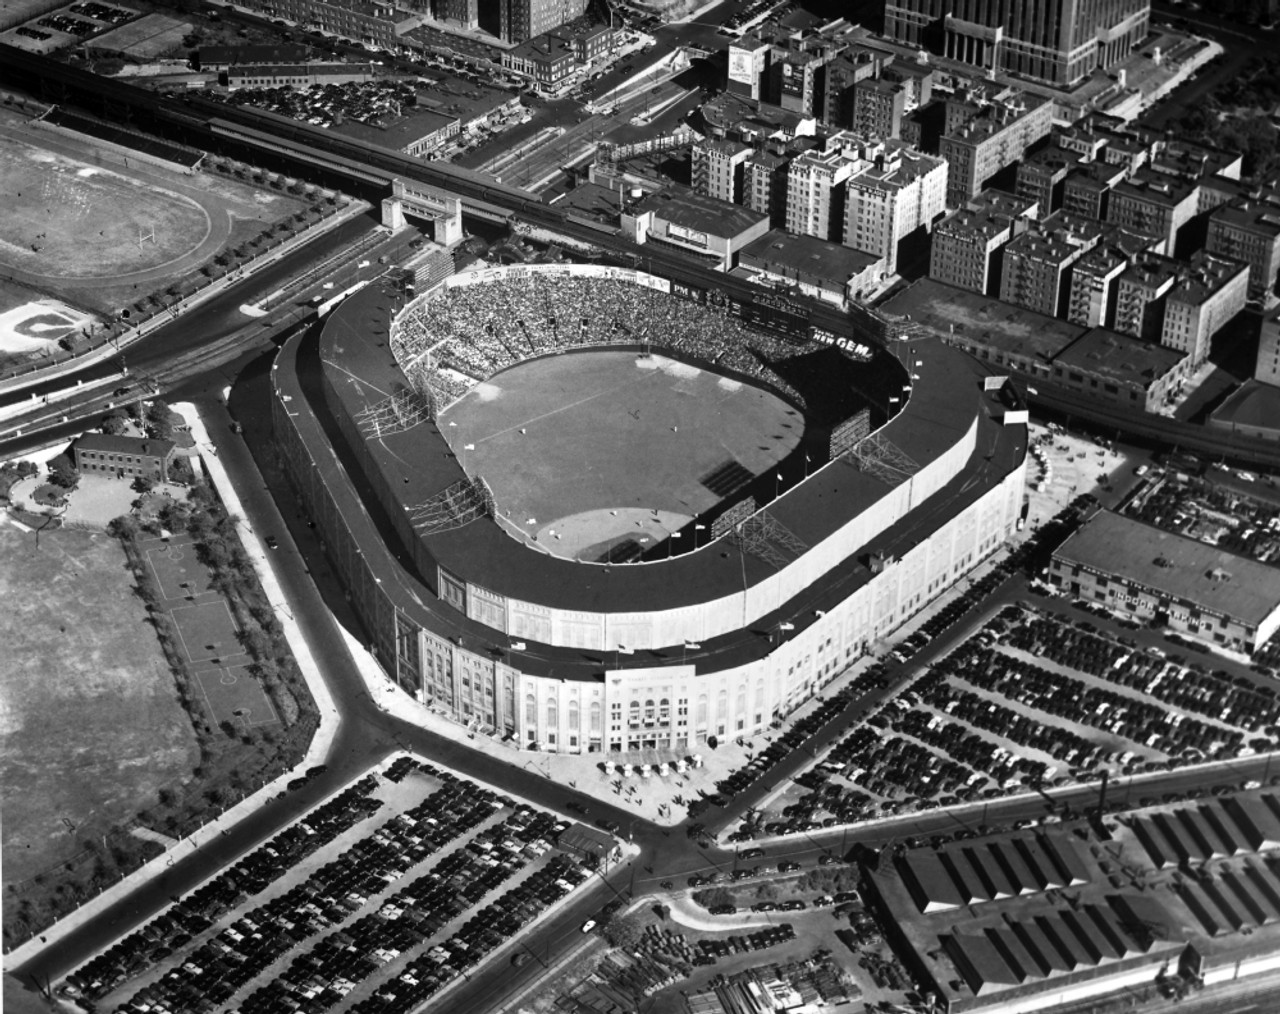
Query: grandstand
point(803, 569)
point(469, 328)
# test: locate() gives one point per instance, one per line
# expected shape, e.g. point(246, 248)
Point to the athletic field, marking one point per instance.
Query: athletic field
point(68, 219)
point(588, 449)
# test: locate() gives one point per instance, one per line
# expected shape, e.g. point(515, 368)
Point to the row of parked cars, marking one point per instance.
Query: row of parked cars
point(197, 911)
point(356, 913)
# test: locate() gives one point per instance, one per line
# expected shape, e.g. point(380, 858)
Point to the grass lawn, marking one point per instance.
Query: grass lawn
point(92, 724)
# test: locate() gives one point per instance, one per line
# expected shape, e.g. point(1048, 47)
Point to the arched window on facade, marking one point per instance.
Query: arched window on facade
point(595, 716)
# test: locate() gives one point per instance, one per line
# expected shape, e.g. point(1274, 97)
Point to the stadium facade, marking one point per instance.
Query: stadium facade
point(660, 653)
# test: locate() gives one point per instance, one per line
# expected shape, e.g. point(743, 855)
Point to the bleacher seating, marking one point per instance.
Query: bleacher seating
point(470, 332)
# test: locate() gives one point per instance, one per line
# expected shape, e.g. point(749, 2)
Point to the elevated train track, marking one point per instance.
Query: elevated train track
point(202, 122)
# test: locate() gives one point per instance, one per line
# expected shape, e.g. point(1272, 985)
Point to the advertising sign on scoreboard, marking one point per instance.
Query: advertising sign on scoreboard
point(855, 350)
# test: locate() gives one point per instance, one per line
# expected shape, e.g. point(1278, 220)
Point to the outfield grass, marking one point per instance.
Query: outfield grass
point(606, 430)
point(92, 724)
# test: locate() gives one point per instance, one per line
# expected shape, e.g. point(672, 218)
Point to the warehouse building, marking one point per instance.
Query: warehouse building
point(1181, 583)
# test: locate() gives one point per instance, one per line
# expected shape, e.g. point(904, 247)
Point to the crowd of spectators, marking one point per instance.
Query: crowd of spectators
point(473, 331)
point(354, 914)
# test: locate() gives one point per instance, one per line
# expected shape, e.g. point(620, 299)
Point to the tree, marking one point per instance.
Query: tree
point(143, 484)
point(623, 931)
point(113, 422)
point(63, 474)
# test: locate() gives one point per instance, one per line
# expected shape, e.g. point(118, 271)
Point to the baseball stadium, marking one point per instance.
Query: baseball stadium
point(592, 510)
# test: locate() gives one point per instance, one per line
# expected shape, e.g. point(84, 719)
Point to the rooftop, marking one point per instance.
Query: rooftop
point(1119, 357)
point(959, 313)
point(808, 256)
point(1204, 276)
point(985, 222)
point(119, 444)
point(1253, 405)
point(1005, 919)
point(282, 53)
point(900, 167)
point(1187, 158)
point(1058, 238)
point(1183, 568)
point(1157, 187)
point(1051, 159)
point(1152, 270)
point(1255, 216)
point(399, 132)
point(1096, 175)
point(729, 112)
point(1003, 202)
point(684, 207)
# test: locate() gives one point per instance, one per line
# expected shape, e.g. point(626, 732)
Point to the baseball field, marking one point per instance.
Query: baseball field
point(582, 450)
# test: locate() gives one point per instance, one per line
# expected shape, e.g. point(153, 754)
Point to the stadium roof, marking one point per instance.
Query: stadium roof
point(419, 464)
point(1184, 568)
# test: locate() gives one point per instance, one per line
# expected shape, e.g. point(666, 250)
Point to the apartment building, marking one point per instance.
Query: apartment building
point(966, 246)
point(1210, 292)
point(1154, 202)
point(717, 169)
point(982, 138)
point(815, 191)
point(1087, 189)
point(764, 184)
point(1042, 175)
point(1248, 231)
point(899, 192)
point(1036, 263)
point(1141, 294)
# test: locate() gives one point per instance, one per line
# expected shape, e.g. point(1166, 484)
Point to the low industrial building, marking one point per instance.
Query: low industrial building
point(1070, 913)
point(1098, 363)
point(1181, 583)
point(1108, 366)
point(827, 271)
point(680, 219)
point(296, 75)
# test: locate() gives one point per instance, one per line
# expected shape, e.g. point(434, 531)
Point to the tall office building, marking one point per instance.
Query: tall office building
point(1060, 42)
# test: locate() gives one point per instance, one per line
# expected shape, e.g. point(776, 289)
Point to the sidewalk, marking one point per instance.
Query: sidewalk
point(688, 913)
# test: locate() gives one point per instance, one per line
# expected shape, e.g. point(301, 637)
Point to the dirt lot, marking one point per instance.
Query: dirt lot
point(92, 725)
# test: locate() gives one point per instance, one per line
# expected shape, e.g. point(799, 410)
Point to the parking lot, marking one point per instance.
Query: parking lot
point(1034, 698)
point(375, 900)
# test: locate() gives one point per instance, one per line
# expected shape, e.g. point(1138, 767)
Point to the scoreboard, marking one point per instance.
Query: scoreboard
point(787, 318)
